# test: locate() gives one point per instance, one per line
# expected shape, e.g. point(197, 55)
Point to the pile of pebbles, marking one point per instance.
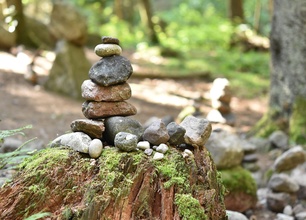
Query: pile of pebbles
point(108, 122)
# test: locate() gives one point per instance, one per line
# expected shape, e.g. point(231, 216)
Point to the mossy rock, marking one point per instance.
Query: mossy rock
point(297, 124)
point(117, 185)
point(241, 189)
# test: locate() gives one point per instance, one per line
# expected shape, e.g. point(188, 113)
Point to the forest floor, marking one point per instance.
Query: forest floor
point(51, 114)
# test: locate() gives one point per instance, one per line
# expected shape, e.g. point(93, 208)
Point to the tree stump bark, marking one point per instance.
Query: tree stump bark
point(117, 185)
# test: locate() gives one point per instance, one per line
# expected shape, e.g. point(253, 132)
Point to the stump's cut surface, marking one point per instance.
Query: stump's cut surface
point(117, 186)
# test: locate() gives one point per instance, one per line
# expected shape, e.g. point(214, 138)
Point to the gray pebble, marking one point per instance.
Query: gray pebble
point(125, 141)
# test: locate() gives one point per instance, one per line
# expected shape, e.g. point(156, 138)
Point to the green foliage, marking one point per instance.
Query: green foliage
point(7, 133)
point(10, 158)
point(38, 216)
point(189, 28)
point(189, 208)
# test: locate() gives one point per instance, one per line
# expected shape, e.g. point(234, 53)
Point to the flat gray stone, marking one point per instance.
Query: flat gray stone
point(283, 183)
point(93, 128)
point(77, 141)
point(290, 159)
point(111, 71)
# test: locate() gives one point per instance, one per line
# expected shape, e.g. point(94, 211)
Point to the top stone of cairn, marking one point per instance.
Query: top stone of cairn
point(110, 40)
point(109, 47)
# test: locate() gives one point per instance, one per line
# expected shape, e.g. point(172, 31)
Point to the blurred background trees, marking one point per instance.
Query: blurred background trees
point(188, 22)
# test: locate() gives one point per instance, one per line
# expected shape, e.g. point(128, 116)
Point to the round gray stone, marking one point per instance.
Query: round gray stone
point(111, 70)
point(176, 133)
point(125, 141)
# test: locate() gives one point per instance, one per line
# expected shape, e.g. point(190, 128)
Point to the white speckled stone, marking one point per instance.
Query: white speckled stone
point(95, 148)
point(106, 50)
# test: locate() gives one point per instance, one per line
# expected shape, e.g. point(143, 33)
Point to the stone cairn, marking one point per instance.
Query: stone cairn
point(221, 96)
point(105, 92)
point(106, 110)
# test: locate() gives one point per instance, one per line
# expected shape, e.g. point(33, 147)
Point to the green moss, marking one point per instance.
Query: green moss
point(189, 207)
point(44, 160)
point(239, 180)
point(173, 169)
point(220, 183)
point(116, 174)
point(265, 126)
point(297, 124)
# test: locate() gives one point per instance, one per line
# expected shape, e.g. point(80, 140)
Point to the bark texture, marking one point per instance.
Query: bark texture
point(288, 69)
point(116, 186)
point(236, 12)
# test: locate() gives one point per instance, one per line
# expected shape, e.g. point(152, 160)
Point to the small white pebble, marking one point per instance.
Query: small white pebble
point(288, 210)
point(158, 156)
point(92, 162)
point(162, 148)
point(143, 145)
point(189, 152)
point(95, 148)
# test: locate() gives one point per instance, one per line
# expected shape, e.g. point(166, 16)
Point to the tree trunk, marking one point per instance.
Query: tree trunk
point(288, 78)
point(146, 16)
point(117, 186)
point(118, 8)
point(125, 10)
point(21, 29)
point(236, 12)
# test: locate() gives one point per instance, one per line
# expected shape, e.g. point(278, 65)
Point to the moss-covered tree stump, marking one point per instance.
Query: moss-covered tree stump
point(116, 186)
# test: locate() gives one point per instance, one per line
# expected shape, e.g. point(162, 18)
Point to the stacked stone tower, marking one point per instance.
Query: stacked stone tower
point(107, 91)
